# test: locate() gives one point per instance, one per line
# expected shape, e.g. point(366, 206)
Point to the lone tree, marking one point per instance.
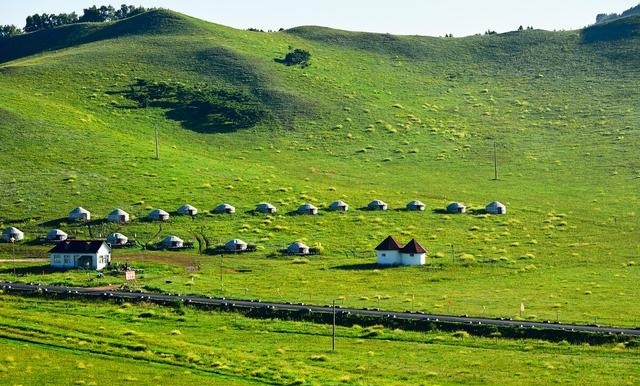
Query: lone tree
point(297, 57)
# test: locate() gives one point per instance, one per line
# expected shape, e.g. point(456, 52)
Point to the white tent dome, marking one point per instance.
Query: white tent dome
point(12, 233)
point(159, 215)
point(235, 245)
point(187, 210)
point(56, 235)
point(339, 205)
point(172, 242)
point(224, 208)
point(117, 239)
point(118, 215)
point(79, 214)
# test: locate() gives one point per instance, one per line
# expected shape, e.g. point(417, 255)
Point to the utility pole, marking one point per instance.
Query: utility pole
point(157, 149)
point(495, 161)
point(333, 332)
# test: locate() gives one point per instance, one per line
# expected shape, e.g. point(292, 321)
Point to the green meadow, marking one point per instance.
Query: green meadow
point(103, 343)
point(545, 122)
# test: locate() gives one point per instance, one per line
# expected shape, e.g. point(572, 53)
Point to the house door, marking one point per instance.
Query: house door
point(85, 262)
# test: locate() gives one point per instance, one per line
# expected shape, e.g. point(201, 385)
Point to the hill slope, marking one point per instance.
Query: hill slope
point(552, 114)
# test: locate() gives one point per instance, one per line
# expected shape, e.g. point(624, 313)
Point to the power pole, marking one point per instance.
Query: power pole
point(157, 150)
point(495, 161)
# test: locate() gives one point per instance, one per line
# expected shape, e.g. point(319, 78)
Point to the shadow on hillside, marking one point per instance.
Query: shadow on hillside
point(33, 270)
point(55, 223)
point(358, 267)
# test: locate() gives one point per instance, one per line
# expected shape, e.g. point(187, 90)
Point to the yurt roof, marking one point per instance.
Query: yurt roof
point(56, 232)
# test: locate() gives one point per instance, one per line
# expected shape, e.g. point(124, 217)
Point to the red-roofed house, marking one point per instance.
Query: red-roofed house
point(388, 252)
point(413, 254)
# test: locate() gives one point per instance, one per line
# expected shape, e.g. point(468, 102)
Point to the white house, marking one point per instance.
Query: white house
point(412, 254)
point(187, 210)
point(224, 208)
point(308, 209)
point(172, 242)
point(495, 207)
point(56, 235)
point(415, 205)
point(388, 252)
point(79, 214)
point(85, 254)
point(377, 205)
point(339, 205)
point(117, 239)
point(118, 215)
point(235, 245)
point(159, 215)
point(265, 207)
point(456, 207)
point(12, 234)
point(298, 248)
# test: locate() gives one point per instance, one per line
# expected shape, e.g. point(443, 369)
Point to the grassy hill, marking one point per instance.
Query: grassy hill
point(374, 116)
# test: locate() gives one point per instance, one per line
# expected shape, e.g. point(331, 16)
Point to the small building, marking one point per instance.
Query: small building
point(187, 210)
point(116, 239)
point(413, 254)
point(388, 252)
point(224, 208)
point(307, 209)
point(85, 254)
point(235, 245)
point(415, 205)
point(159, 215)
point(12, 234)
point(496, 207)
point(265, 207)
point(456, 207)
point(298, 248)
point(339, 206)
point(118, 215)
point(56, 235)
point(170, 242)
point(79, 214)
point(377, 205)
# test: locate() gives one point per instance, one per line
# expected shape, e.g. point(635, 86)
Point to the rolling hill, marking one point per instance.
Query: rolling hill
point(374, 116)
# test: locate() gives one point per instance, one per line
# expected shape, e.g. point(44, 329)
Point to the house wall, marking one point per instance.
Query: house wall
point(70, 260)
point(412, 258)
point(388, 257)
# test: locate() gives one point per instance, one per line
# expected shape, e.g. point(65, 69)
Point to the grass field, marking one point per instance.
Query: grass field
point(374, 116)
point(144, 344)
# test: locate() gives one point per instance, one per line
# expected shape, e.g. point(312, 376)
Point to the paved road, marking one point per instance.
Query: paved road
point(18, 288)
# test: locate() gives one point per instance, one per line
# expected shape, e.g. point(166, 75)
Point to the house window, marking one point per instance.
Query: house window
point(384, 254)
point(56, 259)
point(67, 259)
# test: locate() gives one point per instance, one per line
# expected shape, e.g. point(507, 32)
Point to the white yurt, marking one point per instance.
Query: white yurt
point(265, 207)
point(172, 242)
point(56, 235)
point(12, 234)
point(235, 245)
point(298, 248)
point(339, 205)
point(307, 209)
point(79, 214)
point(187, 210)
point(159, 215)
point(377, 205)
point(118, 215)
point(224, 208)
point(415, 205)
point(456, 207)
point(117, 239)
point(496, 207)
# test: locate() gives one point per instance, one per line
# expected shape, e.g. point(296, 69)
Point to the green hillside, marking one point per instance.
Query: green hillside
point(374, 116)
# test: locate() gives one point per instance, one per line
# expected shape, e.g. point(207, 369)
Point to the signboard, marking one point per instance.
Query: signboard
point(130, 275)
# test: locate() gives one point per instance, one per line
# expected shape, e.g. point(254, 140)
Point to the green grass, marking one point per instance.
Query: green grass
point(107, 343)
point(374, 116)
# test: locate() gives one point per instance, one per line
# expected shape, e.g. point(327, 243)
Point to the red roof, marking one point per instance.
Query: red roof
point(413, 247)
point(389, 244)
